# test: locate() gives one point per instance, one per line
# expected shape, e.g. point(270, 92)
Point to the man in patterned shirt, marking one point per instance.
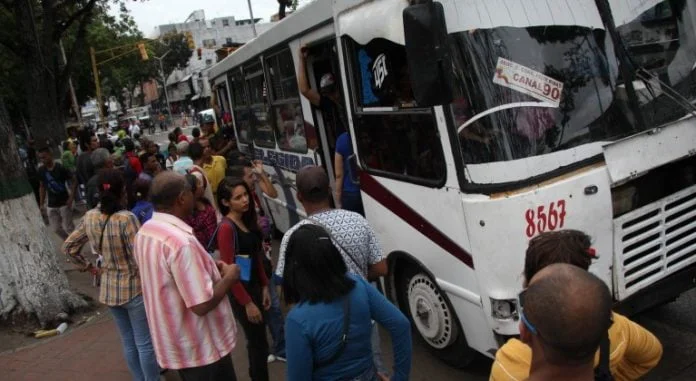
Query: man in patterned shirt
point(184, 289)
point(349, 231)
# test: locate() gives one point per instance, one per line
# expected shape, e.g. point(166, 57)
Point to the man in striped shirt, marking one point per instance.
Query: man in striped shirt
point(184, 289)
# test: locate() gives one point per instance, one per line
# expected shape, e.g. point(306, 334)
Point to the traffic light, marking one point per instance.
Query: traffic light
point(189, 41)
point(200, 53)
point(143, 52)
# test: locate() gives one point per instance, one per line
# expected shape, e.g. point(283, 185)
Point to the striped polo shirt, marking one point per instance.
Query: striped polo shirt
point(177, 274)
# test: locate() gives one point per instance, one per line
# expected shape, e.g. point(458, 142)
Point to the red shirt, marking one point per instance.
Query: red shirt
point(182, 138)
point(134, 162)
point(225, 241)
point(203, 223)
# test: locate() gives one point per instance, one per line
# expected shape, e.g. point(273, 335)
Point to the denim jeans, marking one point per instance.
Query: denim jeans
point(135, 337)
point(60, 219)
point(377, 349)
point(276, 322)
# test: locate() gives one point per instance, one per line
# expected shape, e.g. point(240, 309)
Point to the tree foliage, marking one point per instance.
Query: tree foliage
point(177, 52)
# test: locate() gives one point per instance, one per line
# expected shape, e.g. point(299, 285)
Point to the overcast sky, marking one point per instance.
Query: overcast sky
point(151, 13)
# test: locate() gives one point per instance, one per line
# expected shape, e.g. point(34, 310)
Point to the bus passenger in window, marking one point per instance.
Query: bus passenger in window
point(328, 98)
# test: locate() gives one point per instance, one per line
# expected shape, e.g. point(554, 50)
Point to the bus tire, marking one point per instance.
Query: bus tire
point(432, 316)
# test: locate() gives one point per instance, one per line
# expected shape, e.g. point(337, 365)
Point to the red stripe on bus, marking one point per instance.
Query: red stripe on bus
point(372, 187)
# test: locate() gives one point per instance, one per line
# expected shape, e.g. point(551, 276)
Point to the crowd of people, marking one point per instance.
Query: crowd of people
point(185, 252)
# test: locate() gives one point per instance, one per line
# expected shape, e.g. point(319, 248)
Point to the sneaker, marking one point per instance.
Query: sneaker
point(271, 358)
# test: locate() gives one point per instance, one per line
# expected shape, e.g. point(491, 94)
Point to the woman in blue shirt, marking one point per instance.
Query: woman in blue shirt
point(331, 305)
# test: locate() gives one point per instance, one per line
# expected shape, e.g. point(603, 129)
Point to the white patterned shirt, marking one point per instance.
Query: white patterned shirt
point(349, 230)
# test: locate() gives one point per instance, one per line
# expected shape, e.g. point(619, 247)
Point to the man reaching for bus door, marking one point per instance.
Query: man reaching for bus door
point(328, 99)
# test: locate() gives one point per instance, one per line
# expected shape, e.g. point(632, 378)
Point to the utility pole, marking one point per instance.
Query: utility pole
point(164, 80)
point(251, 13)
point(93, 56)
point(73, 97)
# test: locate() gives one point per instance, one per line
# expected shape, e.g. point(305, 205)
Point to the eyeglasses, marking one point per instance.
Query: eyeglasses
point(523, 317)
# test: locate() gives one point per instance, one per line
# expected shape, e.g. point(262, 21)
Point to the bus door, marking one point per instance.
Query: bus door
point(323, 61)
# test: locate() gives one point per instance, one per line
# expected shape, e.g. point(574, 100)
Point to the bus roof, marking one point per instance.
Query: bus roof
point(313, 15)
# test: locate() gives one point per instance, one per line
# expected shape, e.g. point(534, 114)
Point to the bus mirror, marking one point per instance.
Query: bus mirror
point(427, 53)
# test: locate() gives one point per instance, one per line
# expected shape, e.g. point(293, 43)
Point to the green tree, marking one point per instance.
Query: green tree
point(177, 52)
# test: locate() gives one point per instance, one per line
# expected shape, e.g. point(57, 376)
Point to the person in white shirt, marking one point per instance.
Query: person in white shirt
point(133, 129)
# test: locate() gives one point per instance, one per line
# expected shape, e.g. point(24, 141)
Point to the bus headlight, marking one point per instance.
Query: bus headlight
point(504, 309)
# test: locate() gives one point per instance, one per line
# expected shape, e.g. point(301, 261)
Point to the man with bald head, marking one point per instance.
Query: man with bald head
point(566, 312)
point(350, 232)
point(184, 289)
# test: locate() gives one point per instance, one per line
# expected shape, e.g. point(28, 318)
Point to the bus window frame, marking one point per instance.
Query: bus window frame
point(357, 110)
point(232, 79)
point(273, 102)
point(248, 75)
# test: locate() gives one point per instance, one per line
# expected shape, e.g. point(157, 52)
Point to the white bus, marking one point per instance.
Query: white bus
point(479, 124)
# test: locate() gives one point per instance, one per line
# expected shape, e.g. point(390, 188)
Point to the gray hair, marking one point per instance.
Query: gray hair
point(99, 157)
point(182, 148)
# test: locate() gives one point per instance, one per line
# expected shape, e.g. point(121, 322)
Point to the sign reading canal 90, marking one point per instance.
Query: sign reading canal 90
point(289, 161)
point(525, 80)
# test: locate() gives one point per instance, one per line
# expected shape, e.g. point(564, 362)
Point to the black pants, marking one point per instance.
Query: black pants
point(257, 345)
point(222, 370)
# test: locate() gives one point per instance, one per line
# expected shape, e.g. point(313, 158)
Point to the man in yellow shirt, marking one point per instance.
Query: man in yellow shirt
point(213, 166)
point(634, 351)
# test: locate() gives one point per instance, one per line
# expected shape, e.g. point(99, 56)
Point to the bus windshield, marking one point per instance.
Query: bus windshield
point(541, 89)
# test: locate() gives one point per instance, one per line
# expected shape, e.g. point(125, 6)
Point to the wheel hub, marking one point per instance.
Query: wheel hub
point(430, 312)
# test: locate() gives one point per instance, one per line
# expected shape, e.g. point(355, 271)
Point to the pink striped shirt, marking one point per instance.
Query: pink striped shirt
point(177, 274)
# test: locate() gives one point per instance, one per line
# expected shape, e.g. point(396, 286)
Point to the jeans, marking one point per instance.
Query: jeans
point(352, 201)
point(257, 345)
point(221, 370)
point(60, 219)
point(135, 337)
point(377, 349)
point(276, 322)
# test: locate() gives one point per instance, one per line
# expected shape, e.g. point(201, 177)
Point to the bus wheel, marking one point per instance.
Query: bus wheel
point(434, 318)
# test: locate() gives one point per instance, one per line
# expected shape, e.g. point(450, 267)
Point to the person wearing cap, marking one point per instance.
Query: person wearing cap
point(220, 142)
point(328, 98)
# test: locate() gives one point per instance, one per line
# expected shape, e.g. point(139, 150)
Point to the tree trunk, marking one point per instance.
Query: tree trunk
point(32, 285)
point(40, 57)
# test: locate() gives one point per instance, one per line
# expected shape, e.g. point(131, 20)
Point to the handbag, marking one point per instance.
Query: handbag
point(243, 261)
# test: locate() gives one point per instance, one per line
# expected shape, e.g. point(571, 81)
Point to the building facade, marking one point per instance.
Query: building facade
point(190, 86)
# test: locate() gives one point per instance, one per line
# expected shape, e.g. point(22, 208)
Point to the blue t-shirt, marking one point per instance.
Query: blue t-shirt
point(345, 149)
point(313, 334)
point(143, 210)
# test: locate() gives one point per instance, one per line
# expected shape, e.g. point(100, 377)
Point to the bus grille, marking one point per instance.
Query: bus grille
point(654, 241)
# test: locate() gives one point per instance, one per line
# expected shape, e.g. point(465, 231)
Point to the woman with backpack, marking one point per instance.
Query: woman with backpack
point(632, 350)
point(239, 240)
point(111, 229)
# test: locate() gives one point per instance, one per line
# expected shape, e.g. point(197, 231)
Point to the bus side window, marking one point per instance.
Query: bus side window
point(394, 137)
point(259, 113)
point(240, 106)
point(286, 110)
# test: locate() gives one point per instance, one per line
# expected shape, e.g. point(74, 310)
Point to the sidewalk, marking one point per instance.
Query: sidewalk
point(91, 352)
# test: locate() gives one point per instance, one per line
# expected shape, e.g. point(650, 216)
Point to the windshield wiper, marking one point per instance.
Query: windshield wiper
point(668, 90)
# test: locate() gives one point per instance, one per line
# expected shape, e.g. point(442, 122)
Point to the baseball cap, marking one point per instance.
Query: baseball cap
point(327, 82)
